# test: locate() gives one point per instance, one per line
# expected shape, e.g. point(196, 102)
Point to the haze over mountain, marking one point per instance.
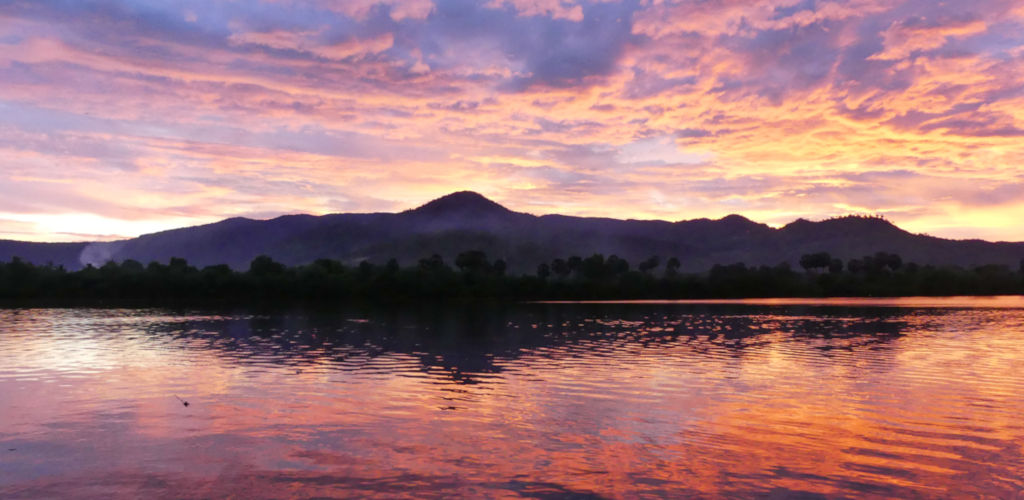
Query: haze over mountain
point(466, 220)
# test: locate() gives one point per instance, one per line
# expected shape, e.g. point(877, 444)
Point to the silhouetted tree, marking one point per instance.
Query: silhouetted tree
point(649, 265)
point(216, 278)
point(261, 266)
point(472, 262)
point(329, 266)
point(892, 261)
point(575, 263)
point(433, 263)
point(879, 274)
point(818, 260)
point(561, 268)
point(110, 269)
point(592, 267)
point(672, 266)
point(218, 270)
point(616, 266)
point(180, 265)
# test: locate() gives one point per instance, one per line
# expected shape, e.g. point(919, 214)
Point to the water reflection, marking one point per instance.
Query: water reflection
point(467, 343)
point(540, 400)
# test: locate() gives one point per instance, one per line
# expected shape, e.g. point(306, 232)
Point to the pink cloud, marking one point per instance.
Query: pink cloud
point(558, 9)
point(312, 107)
point(311, 42)
point(915, 34)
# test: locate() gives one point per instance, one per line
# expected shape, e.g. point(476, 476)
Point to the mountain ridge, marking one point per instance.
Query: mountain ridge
point(466, 220)
point(460, 201)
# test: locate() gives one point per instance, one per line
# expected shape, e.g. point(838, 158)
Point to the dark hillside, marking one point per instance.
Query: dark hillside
point(467, 220)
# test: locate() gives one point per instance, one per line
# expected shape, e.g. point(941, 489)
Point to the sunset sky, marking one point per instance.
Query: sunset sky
point(124, 117)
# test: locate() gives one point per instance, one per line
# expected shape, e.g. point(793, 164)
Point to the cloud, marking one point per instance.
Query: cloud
point(916, 34)
point(309, 42)
point(557, 9)
point(192, 111)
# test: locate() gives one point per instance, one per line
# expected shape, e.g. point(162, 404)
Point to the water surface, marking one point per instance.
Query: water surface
point(912, 398)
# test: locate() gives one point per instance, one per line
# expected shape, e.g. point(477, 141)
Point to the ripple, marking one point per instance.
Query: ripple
point(907, 398)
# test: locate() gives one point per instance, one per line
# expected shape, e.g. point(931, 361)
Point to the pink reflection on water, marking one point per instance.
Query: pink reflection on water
point(966, 301)
point(655, 400)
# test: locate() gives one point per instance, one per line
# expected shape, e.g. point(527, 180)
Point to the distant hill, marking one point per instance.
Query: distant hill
point(466, 220)
point(67, 254)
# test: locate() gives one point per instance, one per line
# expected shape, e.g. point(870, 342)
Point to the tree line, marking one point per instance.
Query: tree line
point(475, 275)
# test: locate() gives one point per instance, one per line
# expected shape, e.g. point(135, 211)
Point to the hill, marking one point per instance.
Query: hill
point(467, 220)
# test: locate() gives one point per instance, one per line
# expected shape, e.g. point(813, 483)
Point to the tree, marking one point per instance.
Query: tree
point(262, 266)
point(592, 267)
point(891, 260)
point(219, 270)
point(650, 264)
point(575, 263)
point(180, 265)
point(616, 266)
point(433, 263)
point(472, 262)
point(818, 260)
point(543, 271)
point(836, 266)
point(561, 268)
point(807, 262)
point(672, 266)
point(329, 266)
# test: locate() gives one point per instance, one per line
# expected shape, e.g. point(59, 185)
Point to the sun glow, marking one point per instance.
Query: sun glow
point(76, 227)
point(770, 110)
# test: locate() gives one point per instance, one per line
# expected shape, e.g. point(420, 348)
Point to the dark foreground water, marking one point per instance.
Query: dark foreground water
point(835, 399)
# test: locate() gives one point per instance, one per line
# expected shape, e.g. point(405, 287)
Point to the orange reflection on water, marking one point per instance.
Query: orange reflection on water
point(640, 399)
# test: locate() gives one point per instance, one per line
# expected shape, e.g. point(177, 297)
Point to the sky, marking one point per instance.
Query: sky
point(124, 117)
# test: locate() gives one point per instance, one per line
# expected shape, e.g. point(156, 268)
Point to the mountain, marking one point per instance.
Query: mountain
point(66, 254)
point(466, 220)
point(461, 202)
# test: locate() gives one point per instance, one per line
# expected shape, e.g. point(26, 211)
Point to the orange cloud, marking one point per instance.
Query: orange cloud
point(906, 37)
point(775, 109)
point(307, 42)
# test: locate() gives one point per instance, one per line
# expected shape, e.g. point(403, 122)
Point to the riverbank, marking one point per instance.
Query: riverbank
point(594, 278)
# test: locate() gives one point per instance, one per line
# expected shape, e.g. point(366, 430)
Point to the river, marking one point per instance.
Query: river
point(833, 398)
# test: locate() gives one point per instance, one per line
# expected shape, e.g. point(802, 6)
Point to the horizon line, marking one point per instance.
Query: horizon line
point(852, 215)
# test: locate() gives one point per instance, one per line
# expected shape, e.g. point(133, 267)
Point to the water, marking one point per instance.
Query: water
point(919, 398)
